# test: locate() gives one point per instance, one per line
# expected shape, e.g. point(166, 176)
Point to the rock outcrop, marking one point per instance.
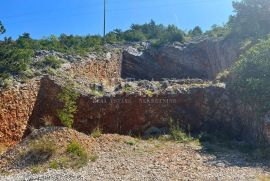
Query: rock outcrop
point(200, 107)
point(97, 68)
point(138, 107)
point(16, 106)
point(203, 59)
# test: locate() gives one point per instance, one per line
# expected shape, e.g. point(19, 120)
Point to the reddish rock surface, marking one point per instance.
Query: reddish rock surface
point(16, 105)
point(135, 113)
point(106, 68)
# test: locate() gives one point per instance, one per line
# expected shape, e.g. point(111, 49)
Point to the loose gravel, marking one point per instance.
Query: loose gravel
point(126, 158)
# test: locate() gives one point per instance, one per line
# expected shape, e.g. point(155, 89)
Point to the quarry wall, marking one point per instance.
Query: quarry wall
point(98, 68)
point(16, 106)
point(211, 108)
point(202, 59)
point(199, 109)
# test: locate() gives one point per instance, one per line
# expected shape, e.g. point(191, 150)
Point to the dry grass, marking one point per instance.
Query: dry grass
point(3, 148)
point(263, 178)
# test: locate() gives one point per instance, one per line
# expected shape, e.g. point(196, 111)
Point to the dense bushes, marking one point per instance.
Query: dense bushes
point(251, 77)
point(152, 32)
point(14, 61)
point(50, 62)
point(251, 18)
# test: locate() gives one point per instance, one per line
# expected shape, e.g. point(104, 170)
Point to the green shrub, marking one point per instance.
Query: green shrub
point(96, 133)
point(39, 152)
point(2, 28)
point(96, 93)
point(78, 154)
point(36, 169)
point(75, 149)
point(50, 61)
point(131, 143)
point(134, 36)
point(127, 89)
point(54, 165)
point(93, 158)
point(178, 134)
point(250, 77)
point(69, 98)
point(149, 93)
point(14, 61)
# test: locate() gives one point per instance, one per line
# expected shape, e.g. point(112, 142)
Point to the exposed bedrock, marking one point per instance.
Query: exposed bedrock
point(16, 106)
point(206, 108)
point(202, 108)
point(202, 59)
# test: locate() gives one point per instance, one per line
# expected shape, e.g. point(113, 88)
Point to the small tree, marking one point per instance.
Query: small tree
point(2, 28)
point(69, 98)
point(197, 31)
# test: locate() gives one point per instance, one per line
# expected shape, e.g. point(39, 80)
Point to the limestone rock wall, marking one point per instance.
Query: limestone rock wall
point(203, 59)
point(102, 68)
point(16, 105)
point(200, 108)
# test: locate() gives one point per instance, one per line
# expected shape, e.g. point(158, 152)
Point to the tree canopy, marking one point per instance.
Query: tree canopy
point(251, 18)
point(2, 28)
point(197, 31)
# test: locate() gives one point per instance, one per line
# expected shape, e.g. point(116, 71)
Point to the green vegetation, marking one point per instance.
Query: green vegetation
point(78, 154)
point(131, 142)
point(96, 133)
point(96, 93)
point(197, 31)
point(148, 31)
point(251, 77)
point(250, 19)
point(75, 149)
point(2, 28)
point(127, 89)
point(93, 158)
point(247, 25)
point(36, 169)
point(218, 31)
point(68, 97)
point(14, 62)
point(42, 155)
point(50, 62)
point(149, 93)
point(40, 151)
point(178, 134)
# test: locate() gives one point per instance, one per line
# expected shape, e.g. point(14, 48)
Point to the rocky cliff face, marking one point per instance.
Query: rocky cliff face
point(16, 106)
point(201, 107)
point(144, 108)
point(139, 107)
point(98, 68)
point(203, 59)
point(17, 103)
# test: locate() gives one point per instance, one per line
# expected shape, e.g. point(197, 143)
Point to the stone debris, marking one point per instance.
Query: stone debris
point(155, 160)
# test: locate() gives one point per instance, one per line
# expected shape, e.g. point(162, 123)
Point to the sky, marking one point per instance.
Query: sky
point(42, 18)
